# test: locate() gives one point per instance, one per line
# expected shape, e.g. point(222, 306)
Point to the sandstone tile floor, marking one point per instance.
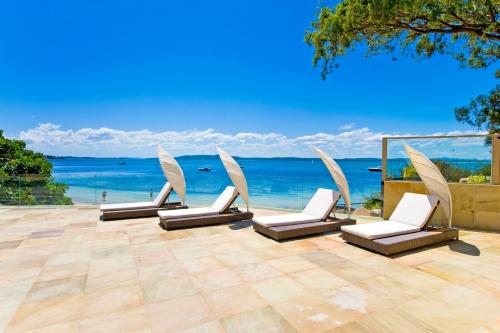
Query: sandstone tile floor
point(62, 270)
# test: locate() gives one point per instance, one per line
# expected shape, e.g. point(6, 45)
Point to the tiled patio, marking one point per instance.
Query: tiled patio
point(61, 270)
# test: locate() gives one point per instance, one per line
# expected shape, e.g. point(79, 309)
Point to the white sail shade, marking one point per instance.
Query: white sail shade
point(337, 175)
point(235, 173)
point(173, 173)
point(432, 179)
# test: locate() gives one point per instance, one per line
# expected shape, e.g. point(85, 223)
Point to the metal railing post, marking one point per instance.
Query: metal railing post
point(384, 172)
point(384, 160)
point(18, 190)
point(495, 159)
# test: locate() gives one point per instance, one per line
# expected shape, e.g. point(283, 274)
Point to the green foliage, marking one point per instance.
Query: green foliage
point(483, 112)
point(468, 30)
point(449, 171)
point(409, 171)
point(485, 170)
point(477, 179)
point(25, 177)
point(482, 176)
point(374, 201)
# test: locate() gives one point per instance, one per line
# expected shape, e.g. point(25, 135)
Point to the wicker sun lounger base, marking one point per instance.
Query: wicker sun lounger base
point(400, 243)
point(232, 215)
point(136, 213)
point(305, 229)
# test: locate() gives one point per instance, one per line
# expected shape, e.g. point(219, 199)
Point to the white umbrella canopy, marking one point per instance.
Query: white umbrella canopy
point(173, 173)
point(337, 175)
point(432, 179)
point(235, 173)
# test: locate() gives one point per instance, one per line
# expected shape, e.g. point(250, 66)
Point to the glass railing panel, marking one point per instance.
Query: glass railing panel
point(109, 180)
point(460, 159)
point(30, 190)
point(276, 183)
point(9, 191)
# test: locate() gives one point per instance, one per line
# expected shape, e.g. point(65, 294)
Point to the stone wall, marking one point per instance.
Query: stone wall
point(475, 206)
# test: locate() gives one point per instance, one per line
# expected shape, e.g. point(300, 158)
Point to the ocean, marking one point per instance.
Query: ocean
point(272, 182)
point(286, 183)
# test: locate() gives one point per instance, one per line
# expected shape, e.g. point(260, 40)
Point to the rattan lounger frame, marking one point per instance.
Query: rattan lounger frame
point(395, 244)
point(232, 215)
point(304, 229)
point(300, 230)
point(137, 213)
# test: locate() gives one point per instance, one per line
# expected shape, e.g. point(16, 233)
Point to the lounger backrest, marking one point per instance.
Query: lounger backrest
point(225, 199)
point(414, 209)
point(163, 195)
point(322, 203)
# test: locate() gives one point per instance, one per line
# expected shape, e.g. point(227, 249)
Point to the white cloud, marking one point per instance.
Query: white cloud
point(52, 139)
point(347, 126)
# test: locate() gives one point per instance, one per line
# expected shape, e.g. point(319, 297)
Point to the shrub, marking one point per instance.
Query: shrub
point(409, 172)
point(485, 170)
point(25, 177)
point(374, 201)
point(449, 171)
point(477, 179)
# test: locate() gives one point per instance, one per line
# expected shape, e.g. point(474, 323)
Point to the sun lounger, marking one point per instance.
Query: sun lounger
point(219, 212)
point(141, 209)
point(314, 219)
point(406, 229)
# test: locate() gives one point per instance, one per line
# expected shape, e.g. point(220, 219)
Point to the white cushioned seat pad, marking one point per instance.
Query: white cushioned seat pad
point(163, 195)
point(183, 213)
point(285, 219)
point(322, 203)
point(127, 206)
point(382, 229)
point(157, 202)
point(225, 199)
point(414, 209)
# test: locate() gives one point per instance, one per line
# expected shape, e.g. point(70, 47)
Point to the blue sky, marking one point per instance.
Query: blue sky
point(98, 71)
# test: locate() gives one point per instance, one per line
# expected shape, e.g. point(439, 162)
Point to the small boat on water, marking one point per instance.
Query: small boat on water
point(375, 169)
point(204, 169)
point(122, 163)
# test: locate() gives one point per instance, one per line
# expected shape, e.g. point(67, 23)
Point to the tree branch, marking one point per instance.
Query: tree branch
point(452, 29)
point(492, 10)
point(458, 18)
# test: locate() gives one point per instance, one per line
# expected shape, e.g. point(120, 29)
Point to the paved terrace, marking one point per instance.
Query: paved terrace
point(63, 271)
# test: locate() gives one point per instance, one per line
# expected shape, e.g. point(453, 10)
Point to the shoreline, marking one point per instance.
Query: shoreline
point(89, 196)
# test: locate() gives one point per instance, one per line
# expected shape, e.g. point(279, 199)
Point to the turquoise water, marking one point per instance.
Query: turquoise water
point(272, 182)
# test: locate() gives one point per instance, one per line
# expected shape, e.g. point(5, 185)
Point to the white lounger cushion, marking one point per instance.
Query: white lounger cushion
point(318, 209)
point(321, 204)
point(411, 215)
point(225, 199)
point(183, 213)
point(220, 206)
point(414, 209)
point(382, 229)
point(157, 202)
point(128, 206)
point(285, 219)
